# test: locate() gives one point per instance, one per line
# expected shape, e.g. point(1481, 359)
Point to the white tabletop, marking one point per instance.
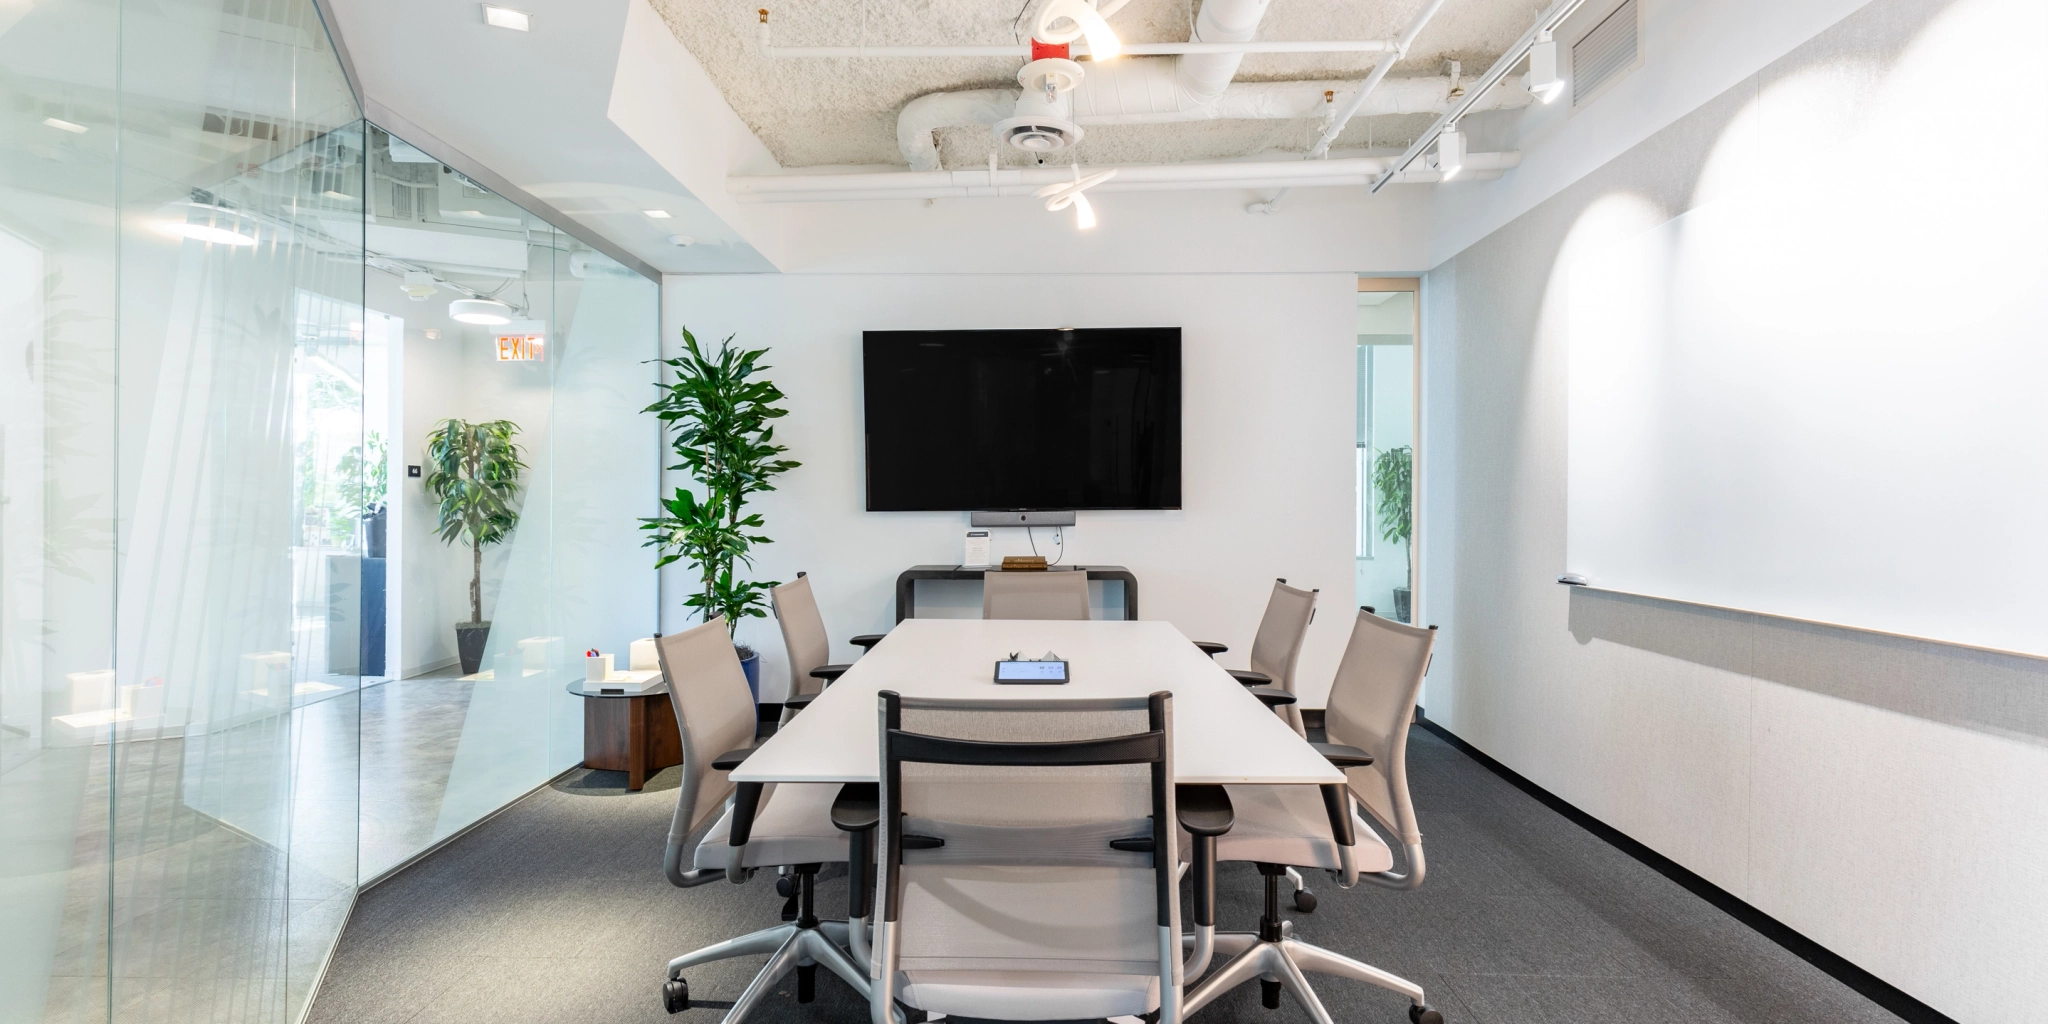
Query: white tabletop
point(1220, 733)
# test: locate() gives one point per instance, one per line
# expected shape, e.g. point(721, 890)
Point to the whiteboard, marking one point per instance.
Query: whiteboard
point(1825, 399)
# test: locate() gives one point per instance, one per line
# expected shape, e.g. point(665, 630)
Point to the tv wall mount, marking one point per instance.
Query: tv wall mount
point(1023, 517)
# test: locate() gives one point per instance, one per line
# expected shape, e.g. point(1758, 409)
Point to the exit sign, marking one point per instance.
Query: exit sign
point(522, 341)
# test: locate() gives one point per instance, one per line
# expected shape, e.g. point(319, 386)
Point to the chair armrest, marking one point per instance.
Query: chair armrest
point(858, 807)
point(1250, 678)
point(1211, 647)
point(1271, 696)
point(1342, 756)
point(798, 701)
point(731, 759)
point(867, 641)
point(829, 672)
point(1204, 810)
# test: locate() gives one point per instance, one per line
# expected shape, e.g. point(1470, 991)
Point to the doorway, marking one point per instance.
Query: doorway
point(1388, 391)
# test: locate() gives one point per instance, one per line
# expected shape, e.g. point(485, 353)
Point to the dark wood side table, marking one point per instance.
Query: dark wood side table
point(906, 583)
point(633, 733)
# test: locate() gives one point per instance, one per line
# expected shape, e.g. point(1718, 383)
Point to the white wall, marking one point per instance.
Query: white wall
point(1267, 458)
point(1881, 796)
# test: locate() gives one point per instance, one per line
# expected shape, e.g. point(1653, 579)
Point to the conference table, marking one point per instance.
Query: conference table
point(1221, 734)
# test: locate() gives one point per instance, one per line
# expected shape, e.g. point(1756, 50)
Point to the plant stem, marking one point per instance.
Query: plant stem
point(476, 580)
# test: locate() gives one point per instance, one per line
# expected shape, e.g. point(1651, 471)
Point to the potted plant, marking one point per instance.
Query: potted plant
point(721, 414)
point(473, 476)
point(1393, 481)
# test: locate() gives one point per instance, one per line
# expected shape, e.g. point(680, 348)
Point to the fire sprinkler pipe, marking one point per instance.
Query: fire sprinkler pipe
point(1548, 23)
point(1078, 49)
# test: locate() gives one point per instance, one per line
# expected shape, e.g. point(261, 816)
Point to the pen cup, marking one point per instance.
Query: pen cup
point(597, 668)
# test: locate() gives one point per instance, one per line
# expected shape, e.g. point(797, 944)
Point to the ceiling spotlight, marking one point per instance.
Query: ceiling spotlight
point(1069, 193)
point(1082, 19)
point(1450, 152)
point(211, 234)
point(506, 17)
point(656, 214)
point(488, 312)
point(66, 126)
point(681, 240)
point(419, 285)
point(1544, 83)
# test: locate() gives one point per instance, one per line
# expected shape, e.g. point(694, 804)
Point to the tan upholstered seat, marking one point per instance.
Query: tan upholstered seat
point(1049, 594)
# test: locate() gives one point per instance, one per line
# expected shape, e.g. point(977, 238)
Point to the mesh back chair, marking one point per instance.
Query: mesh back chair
point(810, 647)
point(1372, 701)
point(1034, 877)
point(1047, 594)
point(784, 825)
point(1275, 650)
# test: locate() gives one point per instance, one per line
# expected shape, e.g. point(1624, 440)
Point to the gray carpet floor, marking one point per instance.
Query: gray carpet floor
point(556, 912)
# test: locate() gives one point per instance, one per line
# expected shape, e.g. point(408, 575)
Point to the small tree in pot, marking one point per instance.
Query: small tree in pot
point(722, 416)
point(1393, 481)
point(473, 475)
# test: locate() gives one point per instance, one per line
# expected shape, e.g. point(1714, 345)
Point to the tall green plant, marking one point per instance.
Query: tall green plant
point(474, 478)
point(1393, 481)
point(721, 415)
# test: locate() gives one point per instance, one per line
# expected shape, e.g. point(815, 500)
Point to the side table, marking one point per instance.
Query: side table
point(633, 733)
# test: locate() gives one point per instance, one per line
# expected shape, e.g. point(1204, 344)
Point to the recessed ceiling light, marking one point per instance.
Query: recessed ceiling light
point(656, 214)
point(684, 240)
point(506, 17)
point(209, 233)
point(67, 126)
point(480, 311)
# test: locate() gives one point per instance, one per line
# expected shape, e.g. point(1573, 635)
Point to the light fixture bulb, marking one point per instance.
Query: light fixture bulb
point(506, 17)
point(1082, 20)
point(1544, 83)
point(486, 312)
point(66, 126)
point(1450, 152)
point(656, 214)
point(1084, 214)
point(419, 285)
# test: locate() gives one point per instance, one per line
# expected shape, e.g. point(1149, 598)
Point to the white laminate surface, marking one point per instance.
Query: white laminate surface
point(1221, 734)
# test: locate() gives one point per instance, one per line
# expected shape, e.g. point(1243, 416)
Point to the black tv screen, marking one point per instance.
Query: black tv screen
point(1008, 420)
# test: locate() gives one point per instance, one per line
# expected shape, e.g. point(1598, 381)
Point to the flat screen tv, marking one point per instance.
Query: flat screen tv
point(1023, 420)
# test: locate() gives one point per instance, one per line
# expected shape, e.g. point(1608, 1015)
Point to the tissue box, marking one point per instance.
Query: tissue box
point(597, 669)
point(643, 658)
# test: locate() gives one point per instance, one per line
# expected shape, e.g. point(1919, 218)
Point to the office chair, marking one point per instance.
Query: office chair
point(810, 647)
point(791, 827)
point(1047, 594)
point(1276, 648)
point(1372, 701)
point(1034, 878)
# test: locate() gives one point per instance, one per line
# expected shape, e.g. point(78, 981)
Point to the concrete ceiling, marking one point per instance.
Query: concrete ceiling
point(812, 112)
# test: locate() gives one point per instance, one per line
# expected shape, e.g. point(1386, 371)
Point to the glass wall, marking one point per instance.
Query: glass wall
point(224, 339)
point(1386, 446)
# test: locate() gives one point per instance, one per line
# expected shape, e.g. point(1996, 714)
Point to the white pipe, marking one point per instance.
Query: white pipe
point(928, 113)
point(1372, 81)
point(982, 182)
point(1550, 20)
point(1200, 44)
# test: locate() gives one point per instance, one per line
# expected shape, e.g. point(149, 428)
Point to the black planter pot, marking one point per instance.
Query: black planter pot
point(1401, 595)
point(470, 638)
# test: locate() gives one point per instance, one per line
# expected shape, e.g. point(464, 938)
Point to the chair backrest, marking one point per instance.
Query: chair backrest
point(803, 633)
point(1277, 646)
point(1372, 700)
point(714, 713)
point(1048, 594)
point(1024, 799)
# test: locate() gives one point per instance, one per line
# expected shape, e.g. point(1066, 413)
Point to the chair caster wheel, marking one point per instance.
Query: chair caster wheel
point(675, 995)
point(1425, 1015)
point(785, 886)
point(1305, 901)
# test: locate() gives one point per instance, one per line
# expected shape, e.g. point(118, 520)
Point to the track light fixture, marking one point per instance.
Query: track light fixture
point(1450, 152)
point(1544, 83)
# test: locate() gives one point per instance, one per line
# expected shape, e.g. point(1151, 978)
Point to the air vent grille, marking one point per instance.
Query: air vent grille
point(1605, 53)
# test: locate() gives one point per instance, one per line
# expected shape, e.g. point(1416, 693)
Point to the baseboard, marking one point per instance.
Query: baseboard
point(1866, 984)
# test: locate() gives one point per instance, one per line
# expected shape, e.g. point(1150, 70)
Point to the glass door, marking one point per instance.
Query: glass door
point(1388, 327)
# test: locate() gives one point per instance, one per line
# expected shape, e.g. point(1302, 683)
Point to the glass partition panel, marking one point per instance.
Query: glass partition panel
point(180, 190)
point(1386, 448)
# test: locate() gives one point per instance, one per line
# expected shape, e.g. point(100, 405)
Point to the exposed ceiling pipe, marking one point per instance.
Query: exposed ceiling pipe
point(923, 116)
point(1350, 108)
point(1545, 26)
point(984, 182)
point(1078, 49)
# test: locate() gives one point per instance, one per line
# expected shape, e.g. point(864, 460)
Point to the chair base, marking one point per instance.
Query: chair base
point(799, 945)
point(1280, 961)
